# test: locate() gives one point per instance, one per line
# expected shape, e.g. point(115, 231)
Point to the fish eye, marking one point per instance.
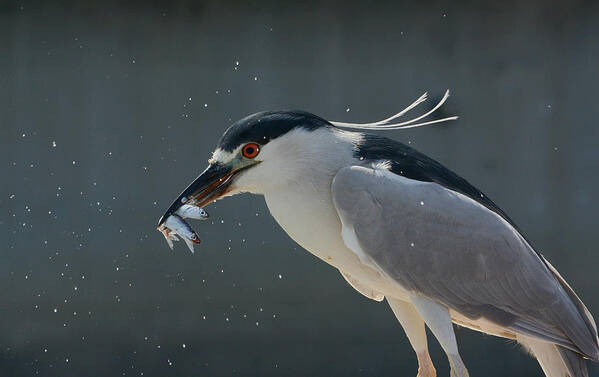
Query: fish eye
point(250, 150)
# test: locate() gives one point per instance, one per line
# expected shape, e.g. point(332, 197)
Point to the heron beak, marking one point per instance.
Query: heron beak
point(210, 185)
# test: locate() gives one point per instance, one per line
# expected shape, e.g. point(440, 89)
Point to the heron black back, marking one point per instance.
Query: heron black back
point(410, 163)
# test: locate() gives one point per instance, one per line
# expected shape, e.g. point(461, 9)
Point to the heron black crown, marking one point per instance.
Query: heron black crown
point(265, 126)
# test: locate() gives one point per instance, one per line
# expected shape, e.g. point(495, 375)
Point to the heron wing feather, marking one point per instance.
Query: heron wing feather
point(448, 247)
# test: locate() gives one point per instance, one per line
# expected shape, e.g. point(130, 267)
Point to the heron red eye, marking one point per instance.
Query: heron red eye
point(250, 150)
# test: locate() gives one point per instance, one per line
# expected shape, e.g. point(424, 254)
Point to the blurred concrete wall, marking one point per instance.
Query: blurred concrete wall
point(109, 110)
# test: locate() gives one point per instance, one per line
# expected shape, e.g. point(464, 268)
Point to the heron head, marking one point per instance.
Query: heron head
point(266, 151)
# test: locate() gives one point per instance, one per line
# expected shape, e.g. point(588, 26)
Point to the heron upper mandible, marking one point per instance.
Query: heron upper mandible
point(399, 225)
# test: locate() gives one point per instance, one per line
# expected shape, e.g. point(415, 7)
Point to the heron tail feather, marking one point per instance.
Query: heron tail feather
point(556, 361)
point(592, 342)
point(574, 362)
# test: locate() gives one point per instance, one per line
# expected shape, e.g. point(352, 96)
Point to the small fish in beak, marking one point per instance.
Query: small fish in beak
point(175, 225)
point(187, 211)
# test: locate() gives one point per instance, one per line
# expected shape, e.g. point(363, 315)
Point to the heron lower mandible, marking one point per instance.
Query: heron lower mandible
point(398, 224)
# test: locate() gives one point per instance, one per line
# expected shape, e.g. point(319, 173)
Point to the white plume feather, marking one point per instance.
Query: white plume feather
point(387, 124)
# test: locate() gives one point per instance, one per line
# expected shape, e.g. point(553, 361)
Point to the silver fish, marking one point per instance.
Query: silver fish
point(175, 225)
point(187, 211)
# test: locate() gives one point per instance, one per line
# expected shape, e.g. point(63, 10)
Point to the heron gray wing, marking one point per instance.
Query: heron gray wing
point(448, 247)
point(363, 289)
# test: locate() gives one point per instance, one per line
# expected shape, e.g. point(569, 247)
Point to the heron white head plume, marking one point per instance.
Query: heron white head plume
point(388, 124)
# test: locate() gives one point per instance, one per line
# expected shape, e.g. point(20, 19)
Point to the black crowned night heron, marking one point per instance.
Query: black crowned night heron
point(398, 224)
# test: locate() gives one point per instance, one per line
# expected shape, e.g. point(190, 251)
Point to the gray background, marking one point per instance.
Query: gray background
point(135, 94)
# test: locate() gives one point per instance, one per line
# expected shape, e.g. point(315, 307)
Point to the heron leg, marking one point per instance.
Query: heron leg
point(413, 326)
point(438, 320)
